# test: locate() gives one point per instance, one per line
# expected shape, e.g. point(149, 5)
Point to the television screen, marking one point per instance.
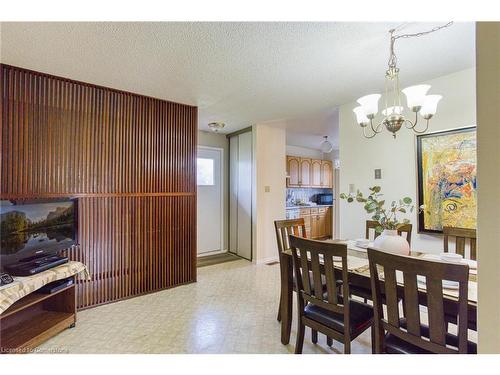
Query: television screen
point(36, 228)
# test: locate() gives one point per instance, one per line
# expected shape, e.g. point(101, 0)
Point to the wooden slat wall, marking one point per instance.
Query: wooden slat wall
point(130, 159)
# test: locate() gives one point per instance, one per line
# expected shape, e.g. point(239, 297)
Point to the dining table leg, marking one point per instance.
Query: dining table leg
point(286, 298)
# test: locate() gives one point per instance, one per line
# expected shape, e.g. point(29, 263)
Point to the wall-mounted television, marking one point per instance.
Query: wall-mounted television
point(36, 228)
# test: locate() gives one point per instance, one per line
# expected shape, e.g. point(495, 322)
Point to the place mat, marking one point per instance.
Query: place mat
point(365, 270)
point(23, 286)
point(472, 286)
point(353, 263)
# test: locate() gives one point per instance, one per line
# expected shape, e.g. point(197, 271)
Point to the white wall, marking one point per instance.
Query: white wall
point(397, 157)
point(219, 140)
point(270, 171)
point(303, 152)
point(488, 160)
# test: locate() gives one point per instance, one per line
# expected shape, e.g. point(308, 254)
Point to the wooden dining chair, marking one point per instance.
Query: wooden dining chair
point(403, 229)
point(366, 294)
point(398, 334)
point(283, 229)
point(328, 312)
point(461, 235)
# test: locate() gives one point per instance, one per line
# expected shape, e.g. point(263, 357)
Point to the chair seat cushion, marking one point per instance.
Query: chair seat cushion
point(361, 317)
point(395, 345)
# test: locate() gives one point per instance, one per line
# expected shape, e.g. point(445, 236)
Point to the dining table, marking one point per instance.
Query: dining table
point(359, 276)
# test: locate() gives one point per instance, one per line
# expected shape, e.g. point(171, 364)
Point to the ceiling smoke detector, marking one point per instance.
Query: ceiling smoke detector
point(216, 126)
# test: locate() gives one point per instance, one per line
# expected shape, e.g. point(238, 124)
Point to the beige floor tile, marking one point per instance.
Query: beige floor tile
point(231, 309)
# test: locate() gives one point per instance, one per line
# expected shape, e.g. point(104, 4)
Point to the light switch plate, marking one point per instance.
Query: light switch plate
point(267, 189)
point(378, 174)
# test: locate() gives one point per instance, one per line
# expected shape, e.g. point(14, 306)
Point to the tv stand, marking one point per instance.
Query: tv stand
point(32, 266)
point(35, 318)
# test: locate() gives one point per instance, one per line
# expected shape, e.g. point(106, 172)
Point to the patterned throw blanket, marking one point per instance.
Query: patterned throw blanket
point(23, 286)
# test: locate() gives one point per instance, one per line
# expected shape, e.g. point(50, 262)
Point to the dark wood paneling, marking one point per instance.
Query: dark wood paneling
point(131, 160)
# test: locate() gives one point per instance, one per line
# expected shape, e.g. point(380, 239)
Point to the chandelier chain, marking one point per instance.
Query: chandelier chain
point(392, 56)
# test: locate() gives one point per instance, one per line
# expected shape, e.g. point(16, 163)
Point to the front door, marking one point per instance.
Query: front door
point(209, 200)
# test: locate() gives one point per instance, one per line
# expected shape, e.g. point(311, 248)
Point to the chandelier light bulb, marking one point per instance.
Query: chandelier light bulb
point(396, 110)
point(361, 116)
point(429, 106)
point(415, 96)
point(370, 104)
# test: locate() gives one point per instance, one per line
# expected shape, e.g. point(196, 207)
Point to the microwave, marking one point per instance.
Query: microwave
point(324, 199)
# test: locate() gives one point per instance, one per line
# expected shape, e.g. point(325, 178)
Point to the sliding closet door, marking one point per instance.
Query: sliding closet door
point(233, 194)
point(245, 195)
point(240, 199)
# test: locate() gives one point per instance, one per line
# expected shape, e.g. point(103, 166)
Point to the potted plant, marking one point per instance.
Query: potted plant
point(388, 220)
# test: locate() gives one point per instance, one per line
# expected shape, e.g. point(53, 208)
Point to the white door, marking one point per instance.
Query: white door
point(209, 200)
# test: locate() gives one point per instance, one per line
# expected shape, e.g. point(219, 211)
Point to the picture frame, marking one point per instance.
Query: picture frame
point(446, 179)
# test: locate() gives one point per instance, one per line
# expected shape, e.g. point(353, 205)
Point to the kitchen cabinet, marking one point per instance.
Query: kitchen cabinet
point(316, 177)
point(305, 213)
point(309, 173)
point(293, 171)
point(305, 172)
point(326, 174)
point(318, 222)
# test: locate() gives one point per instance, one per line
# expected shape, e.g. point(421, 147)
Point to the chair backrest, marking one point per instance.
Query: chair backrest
point(284, 228)
point(405, 270)
point(461, 234)
point(312, 259)
point(372, 224)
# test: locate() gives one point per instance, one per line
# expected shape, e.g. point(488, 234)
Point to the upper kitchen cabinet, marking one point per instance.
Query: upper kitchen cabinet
point(293, 171)
point(299, 171)
point(316, 175)
point(305, 172)
point(326, 174)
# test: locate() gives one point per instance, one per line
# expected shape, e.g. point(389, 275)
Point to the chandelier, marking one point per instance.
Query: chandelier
point(416, 98)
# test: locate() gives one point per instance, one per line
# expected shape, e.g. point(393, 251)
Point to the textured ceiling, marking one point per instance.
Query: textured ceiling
point(239, 73)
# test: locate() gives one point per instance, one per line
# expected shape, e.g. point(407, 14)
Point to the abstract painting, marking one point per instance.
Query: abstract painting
point(446, 163)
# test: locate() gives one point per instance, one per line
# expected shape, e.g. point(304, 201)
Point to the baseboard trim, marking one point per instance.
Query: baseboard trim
point(267, 260)
point(216, 252)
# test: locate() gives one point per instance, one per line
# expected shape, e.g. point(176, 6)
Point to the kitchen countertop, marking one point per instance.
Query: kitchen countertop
point(318, 205)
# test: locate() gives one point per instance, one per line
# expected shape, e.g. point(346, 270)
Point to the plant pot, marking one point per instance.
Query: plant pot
point(390, 241)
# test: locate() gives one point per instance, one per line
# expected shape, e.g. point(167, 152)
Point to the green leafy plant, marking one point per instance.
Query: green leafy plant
point(374, 205)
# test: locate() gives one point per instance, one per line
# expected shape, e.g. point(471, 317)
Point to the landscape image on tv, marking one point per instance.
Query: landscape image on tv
point(30, 227)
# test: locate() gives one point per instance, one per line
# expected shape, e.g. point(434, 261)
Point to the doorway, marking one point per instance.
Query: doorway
point(210, 202)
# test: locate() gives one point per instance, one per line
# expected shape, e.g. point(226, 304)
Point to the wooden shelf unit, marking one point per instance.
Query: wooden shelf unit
point(35, 318)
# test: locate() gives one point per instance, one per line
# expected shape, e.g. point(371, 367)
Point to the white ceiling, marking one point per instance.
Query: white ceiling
point(240, 73)
point(308, 131)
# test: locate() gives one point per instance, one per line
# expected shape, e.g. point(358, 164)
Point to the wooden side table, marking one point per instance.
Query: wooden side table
point(35, 318)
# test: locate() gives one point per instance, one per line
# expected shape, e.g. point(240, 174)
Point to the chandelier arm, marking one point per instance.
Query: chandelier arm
point(368, 136)
point(422, 131)
point(412, 124)
point(375, 129)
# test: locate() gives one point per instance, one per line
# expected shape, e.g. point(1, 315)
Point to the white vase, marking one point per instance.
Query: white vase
point(390, 241)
